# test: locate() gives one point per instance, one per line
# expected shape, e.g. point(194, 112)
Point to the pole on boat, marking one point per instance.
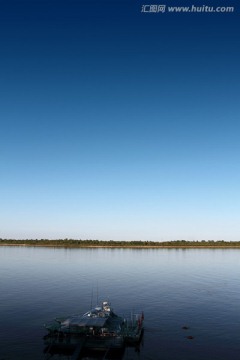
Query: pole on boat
point(91, 299)
point(97, 292)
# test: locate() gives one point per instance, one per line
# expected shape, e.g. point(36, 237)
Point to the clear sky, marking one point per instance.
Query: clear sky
point(118, 124)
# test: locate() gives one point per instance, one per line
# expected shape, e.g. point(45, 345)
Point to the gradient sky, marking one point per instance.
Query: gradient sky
point(117, 124)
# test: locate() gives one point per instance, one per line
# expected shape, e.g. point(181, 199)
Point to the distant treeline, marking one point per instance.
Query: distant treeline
point(122, 244)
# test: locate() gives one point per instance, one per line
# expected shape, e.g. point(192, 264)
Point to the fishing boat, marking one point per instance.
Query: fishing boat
point(98, 329)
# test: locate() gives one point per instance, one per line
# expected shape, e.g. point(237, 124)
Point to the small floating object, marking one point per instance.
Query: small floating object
point(185, 327)
point(190, 337)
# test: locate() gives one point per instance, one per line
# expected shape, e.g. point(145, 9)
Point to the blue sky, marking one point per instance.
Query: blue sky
point(117, 124)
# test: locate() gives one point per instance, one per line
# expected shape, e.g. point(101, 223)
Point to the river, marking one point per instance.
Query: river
point(198, 289)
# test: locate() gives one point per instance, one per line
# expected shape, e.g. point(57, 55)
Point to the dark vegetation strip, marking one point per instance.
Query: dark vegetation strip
point(121, 244)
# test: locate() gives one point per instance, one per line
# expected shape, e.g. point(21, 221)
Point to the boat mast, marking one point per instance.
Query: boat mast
point(91, 298)
point(97, 292)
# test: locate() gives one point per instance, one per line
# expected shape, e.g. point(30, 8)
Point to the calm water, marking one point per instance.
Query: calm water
point(175, 288)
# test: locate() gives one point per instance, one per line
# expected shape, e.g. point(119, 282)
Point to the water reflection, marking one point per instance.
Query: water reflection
point(198, 288)
point(52, 350)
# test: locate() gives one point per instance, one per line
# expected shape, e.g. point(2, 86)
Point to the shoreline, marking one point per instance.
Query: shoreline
point(129, 246)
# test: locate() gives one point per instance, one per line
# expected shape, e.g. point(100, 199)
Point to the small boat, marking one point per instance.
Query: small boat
point(98, 329)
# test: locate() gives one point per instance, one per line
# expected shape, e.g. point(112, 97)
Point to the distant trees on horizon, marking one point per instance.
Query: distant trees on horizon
point(112, 243)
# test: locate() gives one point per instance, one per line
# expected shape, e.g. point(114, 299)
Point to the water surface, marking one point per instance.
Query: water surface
point(197, 288)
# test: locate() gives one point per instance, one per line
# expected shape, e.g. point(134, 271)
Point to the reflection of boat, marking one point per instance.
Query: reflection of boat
point(100, 329)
